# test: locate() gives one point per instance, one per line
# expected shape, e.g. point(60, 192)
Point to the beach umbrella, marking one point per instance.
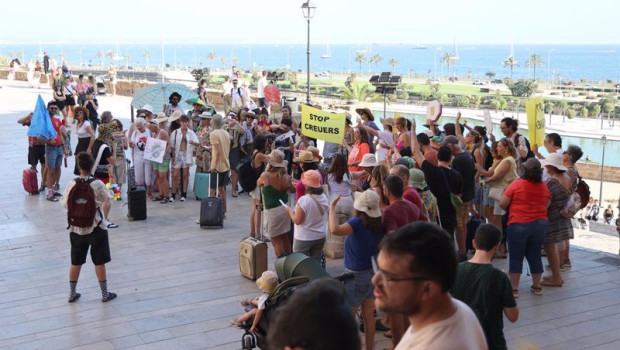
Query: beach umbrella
point(41, 124)
point(272, 94)
point(157, 95)
point(195, 100)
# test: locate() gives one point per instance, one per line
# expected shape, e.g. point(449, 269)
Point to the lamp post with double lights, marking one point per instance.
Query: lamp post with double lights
point(385, 83)
point(308, 9)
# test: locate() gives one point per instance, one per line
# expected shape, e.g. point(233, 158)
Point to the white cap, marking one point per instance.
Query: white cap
point(148, 108)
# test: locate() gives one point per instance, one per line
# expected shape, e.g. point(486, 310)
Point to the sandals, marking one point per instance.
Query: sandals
point(246, 302)
point(536, 290)
point(515, 293)
point(234, 323)
point(164, 200)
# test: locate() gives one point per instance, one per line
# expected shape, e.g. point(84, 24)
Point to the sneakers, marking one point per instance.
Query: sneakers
point(42, 188)
point(74, 298)
point(182, 199)
point(112, 225)
point(171, 200)
point(52, 198)
point(110, 296)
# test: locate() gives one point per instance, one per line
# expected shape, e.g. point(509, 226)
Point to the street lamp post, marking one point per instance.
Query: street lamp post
point(549, 65)
point(600, 193)
point(308, 10)
point(385, 83)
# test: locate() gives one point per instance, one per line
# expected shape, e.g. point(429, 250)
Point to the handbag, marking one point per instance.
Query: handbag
point(496, 193)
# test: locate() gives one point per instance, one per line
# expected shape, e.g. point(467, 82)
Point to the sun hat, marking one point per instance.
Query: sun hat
point(555, 160)
point(387, 121)
point(449, 140)
point(276, 159)
point(267, 282)
point(365, 111)
point(311, 178)
point(161, 117)
point(175, 116)
point(147, 108)
point(368, 160)
point(82, 109)
point(416, 179)
point(315, 152)
point(305, 157)
point(205, 115)
point(368, 202)
point(246, 114)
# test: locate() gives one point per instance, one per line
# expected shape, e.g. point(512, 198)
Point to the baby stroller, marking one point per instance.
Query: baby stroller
point(100, 80)
point(295, 271)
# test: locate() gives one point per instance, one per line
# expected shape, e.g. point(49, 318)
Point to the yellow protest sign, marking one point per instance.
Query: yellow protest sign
point(535, 121)
point(322, 125)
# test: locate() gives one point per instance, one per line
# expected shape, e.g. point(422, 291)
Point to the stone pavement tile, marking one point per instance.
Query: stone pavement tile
point(127, 342)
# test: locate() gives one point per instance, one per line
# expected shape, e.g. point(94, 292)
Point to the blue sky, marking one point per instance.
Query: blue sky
point(335, 21)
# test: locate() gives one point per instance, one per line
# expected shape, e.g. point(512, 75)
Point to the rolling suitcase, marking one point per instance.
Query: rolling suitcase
point(136, 197)
point(253, 257)
point(201, 185)
point(29, 179)
point(212, 210)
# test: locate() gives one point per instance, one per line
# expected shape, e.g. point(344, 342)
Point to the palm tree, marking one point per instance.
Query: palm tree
point(510, 62)
point(211, 56)
point(223, 61)
point(393, 62)
point(534, 61)
point(147, 55)
point(357, 92)
point(235, 60)
point(376, 58)
point(100, 56)
point(128, 58)
point(360, 58)
point(448, 58)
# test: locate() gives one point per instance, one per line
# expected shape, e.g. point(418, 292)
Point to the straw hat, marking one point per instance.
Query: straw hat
point(365, 111)
point(305, 157)
point(161, 117)
point(83, 109)
point(245, 114)
point(387, 121)
point(311, 178)
point(416, 178)
point(555, 160)
point(175, 116)
point(276, 159)
point(368, 160)
point(267, 282)
point(315, 152)
point(368, 202)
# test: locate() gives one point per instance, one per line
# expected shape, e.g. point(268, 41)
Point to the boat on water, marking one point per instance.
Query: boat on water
point(327, 54)
point(419, 47)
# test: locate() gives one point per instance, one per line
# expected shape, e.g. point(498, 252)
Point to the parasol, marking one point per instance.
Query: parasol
point(157, 95)
point(272, 95)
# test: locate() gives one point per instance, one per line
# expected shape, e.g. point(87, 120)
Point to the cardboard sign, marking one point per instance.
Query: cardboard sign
point(488, 122)
point(322, 125)
point(154, 150)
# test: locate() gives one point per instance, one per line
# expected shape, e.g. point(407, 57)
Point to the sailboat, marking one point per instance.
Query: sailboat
point(117, 56)
point(327, 55)
point(456, 50)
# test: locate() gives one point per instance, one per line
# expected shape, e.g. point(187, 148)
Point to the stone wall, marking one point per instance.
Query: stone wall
point(593, 172)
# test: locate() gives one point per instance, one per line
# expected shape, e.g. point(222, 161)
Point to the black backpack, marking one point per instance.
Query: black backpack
point(247, 174)
point(488, 161)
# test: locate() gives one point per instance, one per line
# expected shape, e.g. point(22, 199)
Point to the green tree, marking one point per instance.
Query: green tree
point(511, 62)
point(393, 62)
point(357, 92)
point(360, 58)
point(549, 106)
point(292, 78)
point(350, 80)
point(376, 59)
point(147, 55)
point(608, 103)
point(223, 61)
point(211, 56)
point(571, 113)
point(584, 112)
point(490, 74)
point(533, 61)
point(563, 105)
point(522, 87)
point(448, 58)
point(99, 56)
point(110, 55)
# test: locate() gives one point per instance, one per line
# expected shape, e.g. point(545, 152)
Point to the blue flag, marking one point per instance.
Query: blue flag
point(41, 124)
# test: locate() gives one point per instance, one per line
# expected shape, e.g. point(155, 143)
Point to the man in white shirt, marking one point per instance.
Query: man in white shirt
point(238, 97)
point(260, 89)
point(414, 279)
point(226, 89)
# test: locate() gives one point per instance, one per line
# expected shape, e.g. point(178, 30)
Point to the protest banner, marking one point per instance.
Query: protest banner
point(154, 150)
point(322, 125)
point(488, 122)
point(535, 121)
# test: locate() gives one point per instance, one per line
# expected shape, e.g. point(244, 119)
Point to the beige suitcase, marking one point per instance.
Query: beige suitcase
point(253, 256)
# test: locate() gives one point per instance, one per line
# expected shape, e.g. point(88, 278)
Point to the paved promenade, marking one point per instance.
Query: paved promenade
point(179, 286)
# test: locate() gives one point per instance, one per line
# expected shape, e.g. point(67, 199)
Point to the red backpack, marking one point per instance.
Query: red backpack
point(81, 204)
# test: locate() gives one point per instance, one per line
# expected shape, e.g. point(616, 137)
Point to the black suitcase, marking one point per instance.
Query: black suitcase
point(136, 201)
point(212, 209)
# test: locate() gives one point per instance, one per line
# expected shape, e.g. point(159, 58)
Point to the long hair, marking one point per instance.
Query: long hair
point(260, 143)
point(379, 173)
point(510, 146)
point(280, 171)
point(364, 138)
point(375, 225)
point(338, 167)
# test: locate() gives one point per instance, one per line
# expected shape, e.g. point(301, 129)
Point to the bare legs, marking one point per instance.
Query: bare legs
point(553, 257)
point(281, 245)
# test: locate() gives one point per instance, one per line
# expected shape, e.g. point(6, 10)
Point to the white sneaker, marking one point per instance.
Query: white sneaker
point(197, 221)
point(182, 199)
point(171, 200)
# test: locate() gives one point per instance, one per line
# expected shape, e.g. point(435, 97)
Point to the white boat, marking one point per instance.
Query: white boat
point(327, 55)
point(419, 47)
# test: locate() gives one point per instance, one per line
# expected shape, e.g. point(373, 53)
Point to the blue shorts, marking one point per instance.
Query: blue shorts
point(478, 194)
point(485, 196)
point(53, 156)
point(359, 288)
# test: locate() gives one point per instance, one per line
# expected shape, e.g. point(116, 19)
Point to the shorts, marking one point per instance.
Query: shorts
point(359, 288)
point(53, 156)
point(261, 102)
point(70, 101)
point(161, 167)
point(180, 161)
point(36, 154)
point(497, 210)
point(222, 178)
point(234, 157)
point(488, 201)
point(98, 243)
point(462, 215)
point(478, 198)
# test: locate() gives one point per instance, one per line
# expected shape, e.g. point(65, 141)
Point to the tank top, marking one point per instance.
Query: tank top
point(272, 196)
point(82, 132)
point(510, 175)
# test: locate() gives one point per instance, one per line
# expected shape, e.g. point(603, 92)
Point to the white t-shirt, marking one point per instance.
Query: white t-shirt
point(261, 301)
point(262, 82)
point(313, 226)
point(139, 140)
point(226, 87)
point(460, 331)
point(385, 138)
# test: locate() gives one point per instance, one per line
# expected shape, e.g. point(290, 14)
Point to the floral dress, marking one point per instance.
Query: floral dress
point(203, 157)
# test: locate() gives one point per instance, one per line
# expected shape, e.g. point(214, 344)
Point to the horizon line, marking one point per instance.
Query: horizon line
point(168, 43)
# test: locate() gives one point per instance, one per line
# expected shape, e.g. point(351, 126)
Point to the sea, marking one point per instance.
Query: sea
point(594, 63)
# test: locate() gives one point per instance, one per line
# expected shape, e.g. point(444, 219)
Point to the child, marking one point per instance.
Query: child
point(267, 282)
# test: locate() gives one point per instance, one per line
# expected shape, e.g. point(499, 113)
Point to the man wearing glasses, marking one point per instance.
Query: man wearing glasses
point(238, 97)
point(174, 100)
point(414, 272)
point(55, 151)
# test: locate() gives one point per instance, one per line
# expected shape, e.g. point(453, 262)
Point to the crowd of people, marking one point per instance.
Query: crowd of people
point(403, 200)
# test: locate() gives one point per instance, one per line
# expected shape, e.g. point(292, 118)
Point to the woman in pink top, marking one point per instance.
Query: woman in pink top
point(528, 199)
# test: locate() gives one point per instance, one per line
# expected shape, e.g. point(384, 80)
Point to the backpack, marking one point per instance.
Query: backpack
point(247, 175)
point(488, 161)
point(584, 192)
point(81, 204)
point(530, 154)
